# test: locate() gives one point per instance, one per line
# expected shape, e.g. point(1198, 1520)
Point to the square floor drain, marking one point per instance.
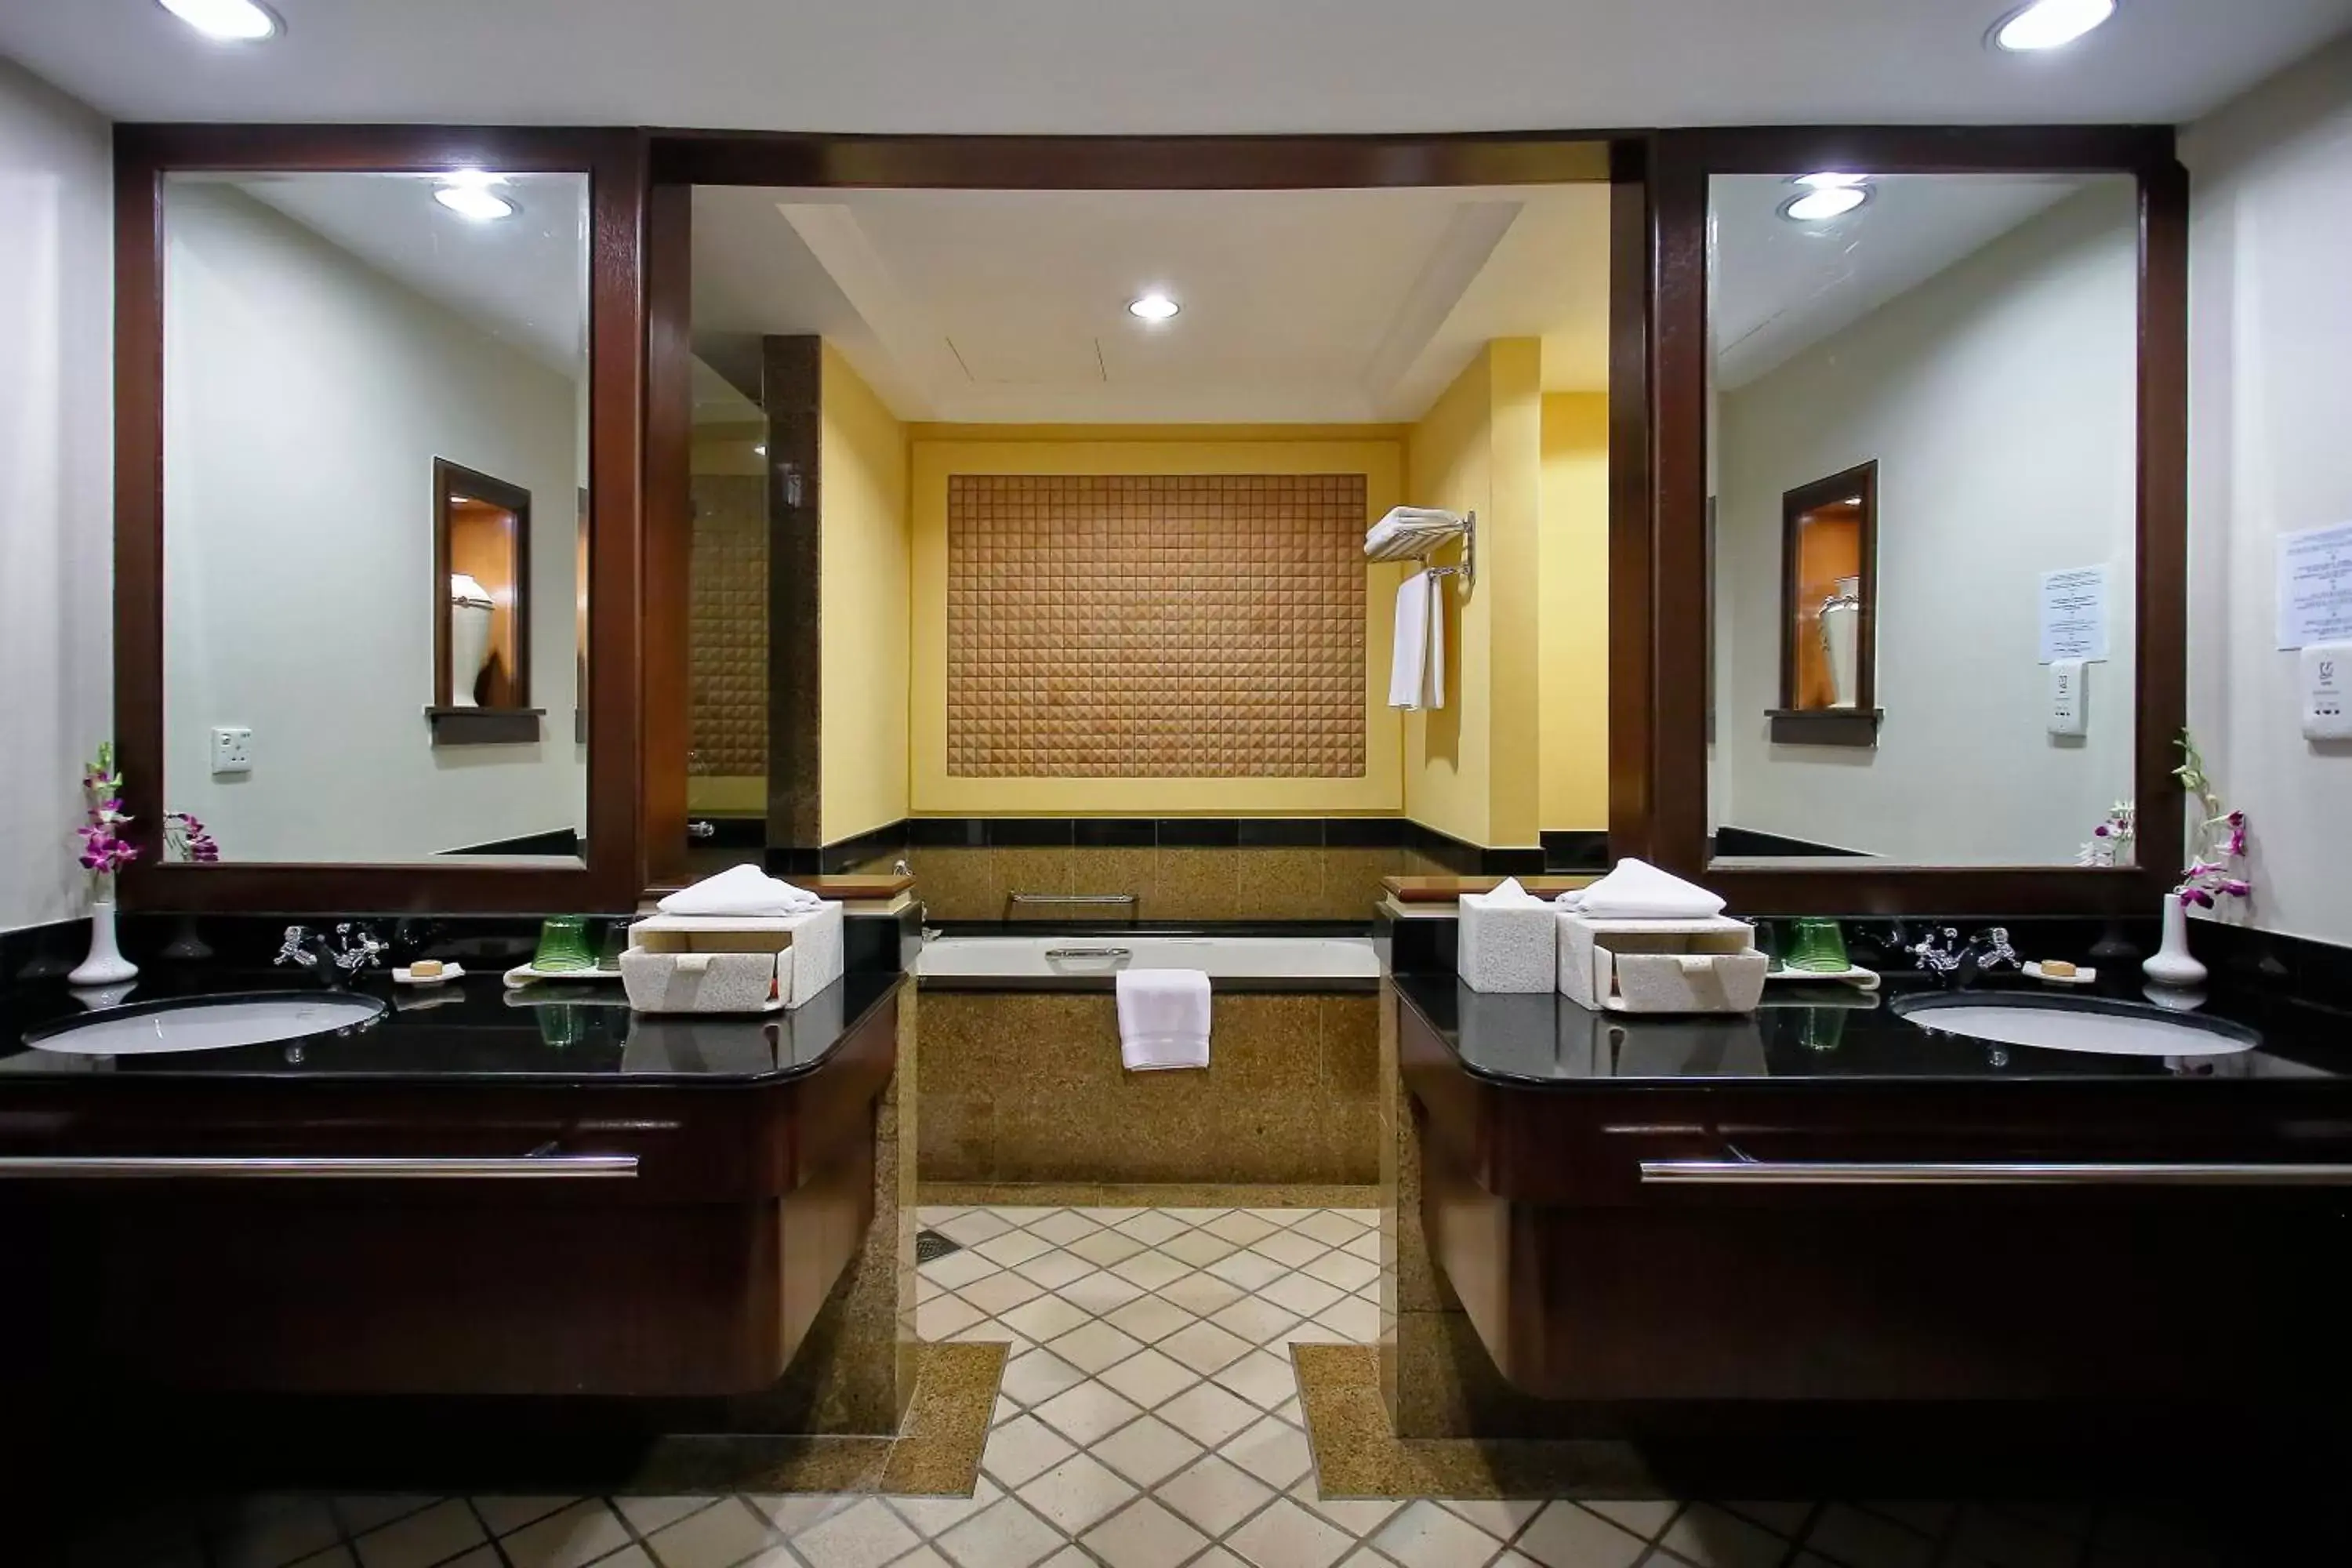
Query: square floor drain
point(931, 1246)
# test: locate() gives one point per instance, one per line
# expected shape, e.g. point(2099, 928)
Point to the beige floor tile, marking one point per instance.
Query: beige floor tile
point(1100, 1292)
point(1020, 1448)
point(1095, 1348)
point(1038, 1376)
point(1565, 1536)
point(1256, 1319)
point(1713, 1538)
point(957, 1269)
point(505, 1515)
point(1087, 1412)
point(1143, 1535)
point(1146, 1452)
point(1153, 1270)
point(1045, 1319)
point(1203, 1294)
point(1108, 1215)
point(1283, 1219)
point(1344, 1269)
point(1078, 1492)
point(1247, 1269)
point(647, 1514)
point(1366, 1246)
point(364, 1511)
point(421, 1540)
point(1001, 1292)
point(1240, 1227)
point(1426, 1536)
point(1149, 1378)
point(1354, 1320)
point(933, 1215)
point(1197, 1248)
point(1781, 1518)
point(1215, 1495)
point(946, 1315)
point(920, 1557)
point(1207, 1414)
point(1501, 1519)
point(938, 1515)
point(1274, 1451)
point(1150, 1318)
point(789, 1513)
point(1300, 1294)
point(972, 1227)
point(579, 1535)
point(723, 1536)
point(1195, 1216)
point(1005, 1535)
point(1206, 1348)
point(1358, 1516)
point(1645, 1517)
point(1329, 1227)
point(990, 1331)
point(1261, 1377)
point(1218, 1557)
point(1055, 1271)
point(1289, 1248)
point(1104, 1247)
point(1286, 1536)
point(1063, 1227)
point(1021, 1214)
point(1152, 1227)
point(1014, 1247)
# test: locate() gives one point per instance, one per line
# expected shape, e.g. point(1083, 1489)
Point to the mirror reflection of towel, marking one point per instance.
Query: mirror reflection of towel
point(1417, 670)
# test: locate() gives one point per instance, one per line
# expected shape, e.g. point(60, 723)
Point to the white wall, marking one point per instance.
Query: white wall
point(1998, 400)
point(306, 397)
point(2271, 451)
point(56, 494)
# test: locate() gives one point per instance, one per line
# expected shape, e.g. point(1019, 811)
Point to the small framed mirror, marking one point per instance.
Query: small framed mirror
point(481, 635)
point(1829, 604)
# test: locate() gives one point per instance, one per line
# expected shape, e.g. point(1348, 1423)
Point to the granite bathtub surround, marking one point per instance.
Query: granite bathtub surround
point(1026, 1086)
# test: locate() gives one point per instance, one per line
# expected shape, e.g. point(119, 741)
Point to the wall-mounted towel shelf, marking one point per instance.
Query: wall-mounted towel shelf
point(1415, 533)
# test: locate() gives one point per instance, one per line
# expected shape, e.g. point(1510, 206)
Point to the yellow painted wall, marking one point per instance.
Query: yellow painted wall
point(1572, 612)
point(938, 451)
point(863, 594)
point(1472, 768)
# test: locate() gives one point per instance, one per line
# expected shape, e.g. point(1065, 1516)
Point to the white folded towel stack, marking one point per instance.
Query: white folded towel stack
point(1405, 520)
point(1637, 891)
point(1508, 942)
point(1417, 667)
point(1163, 1018)
point(741, 890)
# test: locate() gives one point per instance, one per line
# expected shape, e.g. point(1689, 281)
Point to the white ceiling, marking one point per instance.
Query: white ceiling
point(524, 277)
point(1110, 66)
point(1777, 287)
point(1298, 306)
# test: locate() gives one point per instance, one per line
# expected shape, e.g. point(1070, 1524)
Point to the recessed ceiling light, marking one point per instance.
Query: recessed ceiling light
point(2049, 23)
point(466, 192)
point(227, 21)
point(1153, 307)
point(1820, 206)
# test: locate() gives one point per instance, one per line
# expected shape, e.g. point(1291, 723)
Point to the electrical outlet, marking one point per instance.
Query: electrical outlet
point(2069, 712)
point(2327, 692)
point(232, 751)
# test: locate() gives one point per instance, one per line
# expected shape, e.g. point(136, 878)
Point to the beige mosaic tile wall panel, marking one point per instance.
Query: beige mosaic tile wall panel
point(1179, 625)
point(727, 626)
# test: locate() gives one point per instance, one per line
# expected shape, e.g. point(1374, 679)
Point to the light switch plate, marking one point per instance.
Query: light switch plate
point(2327, 689)
point(232, 751)
point(2069, 707)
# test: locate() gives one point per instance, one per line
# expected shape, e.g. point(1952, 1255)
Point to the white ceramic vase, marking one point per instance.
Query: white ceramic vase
point(105, 965)
point(2172, 964)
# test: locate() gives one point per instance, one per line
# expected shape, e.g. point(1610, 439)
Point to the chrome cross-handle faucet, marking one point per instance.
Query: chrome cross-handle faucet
point(336, 961)
point(1957, 964)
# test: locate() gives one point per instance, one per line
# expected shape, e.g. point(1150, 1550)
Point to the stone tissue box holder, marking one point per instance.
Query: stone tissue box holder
point(1661, 966)
point(724, 964)
point(1508, 948)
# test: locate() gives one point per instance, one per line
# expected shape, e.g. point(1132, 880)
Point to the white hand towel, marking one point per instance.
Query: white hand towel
point(1417, 667)
point(1637, 891)
point(1509, 894)
point(1401, 519)
point(1163, 1018)
point(744, 891)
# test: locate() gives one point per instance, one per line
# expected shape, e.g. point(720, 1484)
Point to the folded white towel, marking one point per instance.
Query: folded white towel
point(1637, 891)
point(1163, 1018)
point(1399, 520)
point(1508, 894)
point(741, 890)
point(1417, 667)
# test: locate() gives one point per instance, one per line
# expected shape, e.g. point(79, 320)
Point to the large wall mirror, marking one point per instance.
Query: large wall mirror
point(1918, 500)
point(377, 410)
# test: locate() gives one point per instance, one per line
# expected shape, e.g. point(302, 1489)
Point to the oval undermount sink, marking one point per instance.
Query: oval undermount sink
point(209, 1022)
point(2088, 1023)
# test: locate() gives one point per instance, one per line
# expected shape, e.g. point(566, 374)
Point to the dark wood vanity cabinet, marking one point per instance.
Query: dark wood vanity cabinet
point(697, 1273)
point(1585, 1281)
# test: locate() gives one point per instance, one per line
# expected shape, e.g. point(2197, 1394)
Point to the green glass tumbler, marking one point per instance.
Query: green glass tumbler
point(1817, 946)
point(563, 945)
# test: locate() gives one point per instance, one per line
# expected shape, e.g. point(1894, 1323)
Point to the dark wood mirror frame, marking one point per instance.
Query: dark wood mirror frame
point(457, 547)
point(615, 163)
point(1793, 723)
point(1658, 575)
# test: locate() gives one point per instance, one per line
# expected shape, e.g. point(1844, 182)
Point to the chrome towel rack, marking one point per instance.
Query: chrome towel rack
point(1421, 537)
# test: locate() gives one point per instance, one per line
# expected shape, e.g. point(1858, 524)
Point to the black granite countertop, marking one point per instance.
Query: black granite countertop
point(1812, 1033)
point(470, 1030)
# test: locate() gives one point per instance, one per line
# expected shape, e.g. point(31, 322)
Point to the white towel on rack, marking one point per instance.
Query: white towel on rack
point(1163, 1018)
point(1417, 661)
point(1403, 518)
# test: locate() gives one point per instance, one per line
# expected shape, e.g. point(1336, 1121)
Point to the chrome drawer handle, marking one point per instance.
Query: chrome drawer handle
point(1072, 898)
point(2022, 1174)
point(526, 1167)
point(1089, 952)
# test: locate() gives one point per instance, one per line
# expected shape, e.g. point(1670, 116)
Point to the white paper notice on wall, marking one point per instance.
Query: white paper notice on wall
point(2074, 614)
point(2315, 586)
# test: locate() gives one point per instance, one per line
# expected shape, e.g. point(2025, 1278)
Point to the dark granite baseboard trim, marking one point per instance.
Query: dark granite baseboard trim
point(555, 841)
point(1461, 859)
point(1576, 850)
point(1747, 843)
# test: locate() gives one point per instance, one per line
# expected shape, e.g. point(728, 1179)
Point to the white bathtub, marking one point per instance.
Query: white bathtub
point(999, 960)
